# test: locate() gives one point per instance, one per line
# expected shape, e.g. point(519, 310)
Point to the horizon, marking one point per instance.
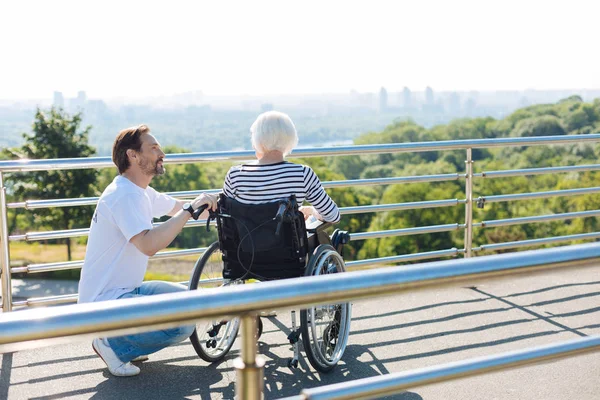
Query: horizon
point(235, 102)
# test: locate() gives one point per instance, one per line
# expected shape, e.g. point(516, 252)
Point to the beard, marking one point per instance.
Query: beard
point(152, 169)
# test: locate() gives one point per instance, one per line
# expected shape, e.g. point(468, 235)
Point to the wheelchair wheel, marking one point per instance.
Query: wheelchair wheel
point(325, 328)
point(212, 341)
point(259, 328)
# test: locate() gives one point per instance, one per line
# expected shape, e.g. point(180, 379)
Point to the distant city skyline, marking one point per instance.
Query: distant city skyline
point(114, 49)
point(380, 99)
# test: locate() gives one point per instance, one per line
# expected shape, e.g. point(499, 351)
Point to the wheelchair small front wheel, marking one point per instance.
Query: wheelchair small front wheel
point(212, 341)
point(325, 328)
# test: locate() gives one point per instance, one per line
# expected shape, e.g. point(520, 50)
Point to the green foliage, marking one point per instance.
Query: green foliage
point(546, 125)
point(56, 135)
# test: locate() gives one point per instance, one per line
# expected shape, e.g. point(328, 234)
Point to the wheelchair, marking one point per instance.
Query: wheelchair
point(268, 242)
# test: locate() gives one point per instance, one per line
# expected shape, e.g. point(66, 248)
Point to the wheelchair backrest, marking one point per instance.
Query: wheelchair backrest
point(248, 241)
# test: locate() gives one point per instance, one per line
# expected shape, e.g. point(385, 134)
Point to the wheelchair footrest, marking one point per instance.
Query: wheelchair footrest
point(292, 363)
point(215, 329)
point(294, 336)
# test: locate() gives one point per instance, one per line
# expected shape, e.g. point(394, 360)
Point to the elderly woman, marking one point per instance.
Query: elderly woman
point(271, 178)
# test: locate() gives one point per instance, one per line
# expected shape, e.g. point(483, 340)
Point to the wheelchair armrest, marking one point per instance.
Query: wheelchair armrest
point(317, 226)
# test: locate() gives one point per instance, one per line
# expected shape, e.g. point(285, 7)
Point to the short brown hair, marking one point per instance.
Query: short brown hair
point(127, 139)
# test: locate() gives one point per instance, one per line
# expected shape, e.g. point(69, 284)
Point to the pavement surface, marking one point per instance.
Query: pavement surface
point(399, 333)
point(23, 289)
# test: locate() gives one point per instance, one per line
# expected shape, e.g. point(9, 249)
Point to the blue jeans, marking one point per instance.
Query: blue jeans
point(129, 347)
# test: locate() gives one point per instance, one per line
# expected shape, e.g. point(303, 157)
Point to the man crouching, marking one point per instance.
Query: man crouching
point(122, 238)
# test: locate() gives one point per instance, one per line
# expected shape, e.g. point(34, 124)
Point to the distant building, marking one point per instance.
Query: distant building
point(59, 100)
point(383, 100)
point(454, 107)
point(429, 100)
point(406, 97)
point(78, 103)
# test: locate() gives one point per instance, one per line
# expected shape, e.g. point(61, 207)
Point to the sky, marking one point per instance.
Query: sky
point(134, 49)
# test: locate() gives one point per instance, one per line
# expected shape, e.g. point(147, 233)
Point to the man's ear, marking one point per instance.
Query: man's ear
point(131, 153)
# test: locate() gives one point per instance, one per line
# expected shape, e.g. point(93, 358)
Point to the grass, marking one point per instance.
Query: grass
point(157, 276)
point(23, 253)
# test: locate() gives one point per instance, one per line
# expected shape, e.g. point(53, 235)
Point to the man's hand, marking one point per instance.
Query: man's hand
point(206, 198)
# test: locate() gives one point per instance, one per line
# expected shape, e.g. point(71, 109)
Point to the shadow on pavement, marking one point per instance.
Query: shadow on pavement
point(281, 381)
point(158, 380)
point(5, 371)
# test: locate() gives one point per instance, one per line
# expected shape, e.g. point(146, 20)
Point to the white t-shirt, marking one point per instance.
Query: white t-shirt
point(113, 265)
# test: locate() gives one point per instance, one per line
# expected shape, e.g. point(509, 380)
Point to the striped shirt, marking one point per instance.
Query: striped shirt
point(258, 184)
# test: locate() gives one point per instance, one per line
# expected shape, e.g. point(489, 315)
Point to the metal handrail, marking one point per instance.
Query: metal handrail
point(190, 194)
point(186, 158)
point(400, 206)
point(404, 258)
point(537, 242)
point(66, 265)
point(90, 201)
point(537, 171)
point(49, 267)
point(146, 313)
point(389, 384)
point(537, 195)
point(32, 328)
point(54, 300)
point(406, 231)
point(69, 233)
point(536, 219)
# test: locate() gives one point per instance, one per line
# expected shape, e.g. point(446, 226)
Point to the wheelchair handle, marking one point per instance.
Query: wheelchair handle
point(199, 211)
point(279, 216)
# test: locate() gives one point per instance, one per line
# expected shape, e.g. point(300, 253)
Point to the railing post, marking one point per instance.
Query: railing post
point(469, 203)
point(249, 382)
point(4, 251)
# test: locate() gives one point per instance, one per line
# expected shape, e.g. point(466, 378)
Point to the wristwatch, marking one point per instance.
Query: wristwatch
point(188, 207)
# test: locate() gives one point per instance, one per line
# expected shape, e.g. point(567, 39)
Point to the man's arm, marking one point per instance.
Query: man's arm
point(178, 206)
point(153, 240)
point(150, 241)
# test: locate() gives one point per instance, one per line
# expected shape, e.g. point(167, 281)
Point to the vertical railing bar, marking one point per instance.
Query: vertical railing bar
point(249, 383)
point(4, 251)
point(469, 203)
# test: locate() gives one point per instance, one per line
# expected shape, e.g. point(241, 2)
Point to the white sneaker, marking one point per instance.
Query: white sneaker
point(115, 366)
point(140, 359)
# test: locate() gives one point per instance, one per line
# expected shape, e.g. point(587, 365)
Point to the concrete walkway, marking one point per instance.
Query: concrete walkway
point(27, 288)
point(391, 334)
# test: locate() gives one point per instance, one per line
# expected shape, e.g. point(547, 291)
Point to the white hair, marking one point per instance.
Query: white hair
point(274, 130)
